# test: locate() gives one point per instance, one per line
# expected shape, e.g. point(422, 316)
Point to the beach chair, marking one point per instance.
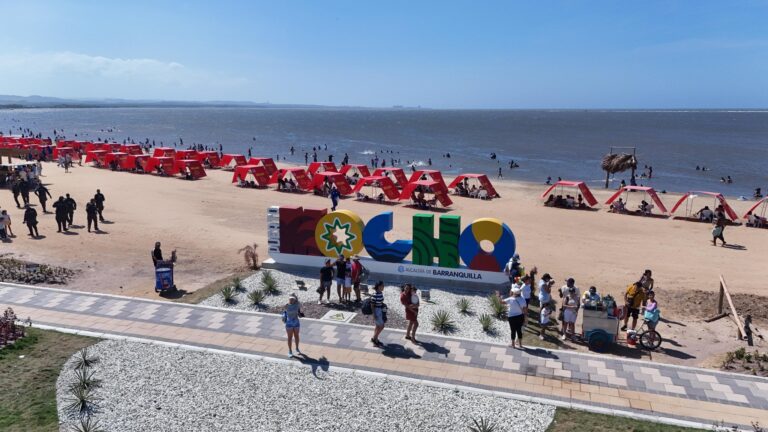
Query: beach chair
point(483, 194)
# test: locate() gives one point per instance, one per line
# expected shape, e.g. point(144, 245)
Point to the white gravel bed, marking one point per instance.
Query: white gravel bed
point(146, 387)
point(467, 326)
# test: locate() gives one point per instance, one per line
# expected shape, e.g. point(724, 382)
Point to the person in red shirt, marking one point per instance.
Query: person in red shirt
point(357, 273)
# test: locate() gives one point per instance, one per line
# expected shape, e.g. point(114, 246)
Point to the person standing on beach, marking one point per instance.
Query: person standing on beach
point(634, 297)
point(291, 316)
point(500, 175)
point(43, 194)
point(334, 197)
point(91, 213)
point(71, 206)
point(16, 189)
point(326, 281)
point(379, 312)
point(341, 275)
point(30, 220)
point(717, 232)
point(60, 207)
point(410, 300)
point(99, 200)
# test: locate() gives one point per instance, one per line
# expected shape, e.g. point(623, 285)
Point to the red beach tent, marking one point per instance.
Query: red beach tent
point(194, 167)
point(719, 199)
point(185, 154)
point(333, 177)
point(481, 178)
point(63, 151)
point(752, 209)
point(164, 152)
point(95, 156)
point(585, 192)
point(268, 164)
point(360, 168)
point(437, 187)
point(233, 160)
point(316, 167)
point(255, 173)
point(649, 190)
point(433, 174)
point(213, 158)
point(135, 161)
point(165, 162)
point(300, 174)
point(116, 156)
point(400, 179)
point(132, 149)
point(385, 183)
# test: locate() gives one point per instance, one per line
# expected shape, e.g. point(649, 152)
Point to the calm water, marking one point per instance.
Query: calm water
point(568, 144)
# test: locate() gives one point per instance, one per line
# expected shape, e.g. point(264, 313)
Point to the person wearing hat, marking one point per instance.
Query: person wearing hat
point(512, 269)
point(357, 274)
point(291, 316)
point(590, 296)
point(545, 289)
point(517, 315)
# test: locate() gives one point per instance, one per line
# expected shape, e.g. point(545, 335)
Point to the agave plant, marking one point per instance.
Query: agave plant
point(238, 284)
point(256, 297)
point(463, 304)
point(268, 283)
point(82, 401)
point(482, 425)
point(228, 294)
point(443, 322)
point(497, 306)
point(486, 321)
point(84, 359)
point(84, 378)
point(87, 424)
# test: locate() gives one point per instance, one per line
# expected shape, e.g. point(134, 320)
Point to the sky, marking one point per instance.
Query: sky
point(439, 54)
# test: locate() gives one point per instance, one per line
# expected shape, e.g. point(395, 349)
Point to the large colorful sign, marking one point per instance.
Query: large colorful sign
point(316, 232)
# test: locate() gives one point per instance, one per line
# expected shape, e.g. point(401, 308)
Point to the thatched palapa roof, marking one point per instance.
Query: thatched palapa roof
point(619, 162)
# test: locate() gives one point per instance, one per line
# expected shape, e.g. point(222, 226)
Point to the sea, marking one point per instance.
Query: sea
point(567, 144)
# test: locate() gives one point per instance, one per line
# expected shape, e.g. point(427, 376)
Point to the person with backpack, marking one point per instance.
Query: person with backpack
point(410, 299)
point(357, 275)
point(379, 310)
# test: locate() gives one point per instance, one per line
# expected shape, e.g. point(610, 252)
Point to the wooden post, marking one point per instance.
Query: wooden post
point(734, 314)
point(720, 298)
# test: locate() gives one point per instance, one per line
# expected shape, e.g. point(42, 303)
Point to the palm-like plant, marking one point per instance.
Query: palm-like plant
point(228, 294)
point(482, 425)
point(238, 284)
point(87, 424)
point(486, 321)
point(256, 297)
point(463, 304)
point(443, 322)
point(81, 402)
point(269, 283)
point(84, 378)
point(84, 359)
point(251, 256)
point(497, 306)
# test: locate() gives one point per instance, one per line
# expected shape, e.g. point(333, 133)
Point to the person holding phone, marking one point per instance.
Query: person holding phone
point(291, 316)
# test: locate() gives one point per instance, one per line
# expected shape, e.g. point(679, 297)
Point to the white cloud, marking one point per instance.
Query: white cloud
point(80, 75)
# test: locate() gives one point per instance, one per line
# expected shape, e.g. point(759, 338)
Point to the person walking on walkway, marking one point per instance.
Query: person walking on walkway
point(410, 299)
point(326, 281)
point(517, 315)
point(91, 212)
point(291, 316)
point(43, 194)
point(30, 219)
point(60, 207)
point(99, 198)
point(379, 312)
point(5, 220)
point(71, 206)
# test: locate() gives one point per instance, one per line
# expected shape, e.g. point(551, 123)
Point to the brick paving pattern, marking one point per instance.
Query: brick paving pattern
point(599, 381)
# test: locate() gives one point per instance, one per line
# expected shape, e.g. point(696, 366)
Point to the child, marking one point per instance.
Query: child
point(544, 320)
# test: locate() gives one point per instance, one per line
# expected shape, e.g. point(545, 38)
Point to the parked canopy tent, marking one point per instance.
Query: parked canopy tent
point(268, 164)
point(316, 167)
point(436, 187)
point(764, 203)
point(360, 169)
point(194, 167)
point(112, 147)
point(400, 179)
point(481, 178)
point(186, 154)
point(585, 192)
point(116, 156)
point(385, 183)
point(89, 146)
point(689, 197)
point(164, 152)
point(433, 174)
point(233, 160)
point(165, 162)
point(133, 149)
point(134, 161)
point(63, 151)
point(95, 156)
point(255, 173)
point(335, 178)
point(300, 174)
point(211, 156)
point(649, 190)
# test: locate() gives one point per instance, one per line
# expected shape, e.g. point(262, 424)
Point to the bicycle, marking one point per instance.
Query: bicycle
point(649, 338)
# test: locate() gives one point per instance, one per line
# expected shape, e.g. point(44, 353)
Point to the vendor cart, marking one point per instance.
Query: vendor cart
point(164, 277)
point(600, 326)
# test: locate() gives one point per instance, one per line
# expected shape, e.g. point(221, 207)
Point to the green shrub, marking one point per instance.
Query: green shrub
point(84, 378)
point(81, 401)
point(463, 304)
point(228, 294)
point(256, 297)
point(486, 321)
point(739, 353)
point(443, 322)
point(84, 359)
point(87, 424)
point(268, 283)
point(238, 284)
point(497, 306)
point(482, 425)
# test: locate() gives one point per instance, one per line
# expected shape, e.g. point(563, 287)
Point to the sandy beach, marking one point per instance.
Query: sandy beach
point(208, 220)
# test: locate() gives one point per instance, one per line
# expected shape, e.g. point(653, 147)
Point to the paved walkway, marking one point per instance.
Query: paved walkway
point(657, 390)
